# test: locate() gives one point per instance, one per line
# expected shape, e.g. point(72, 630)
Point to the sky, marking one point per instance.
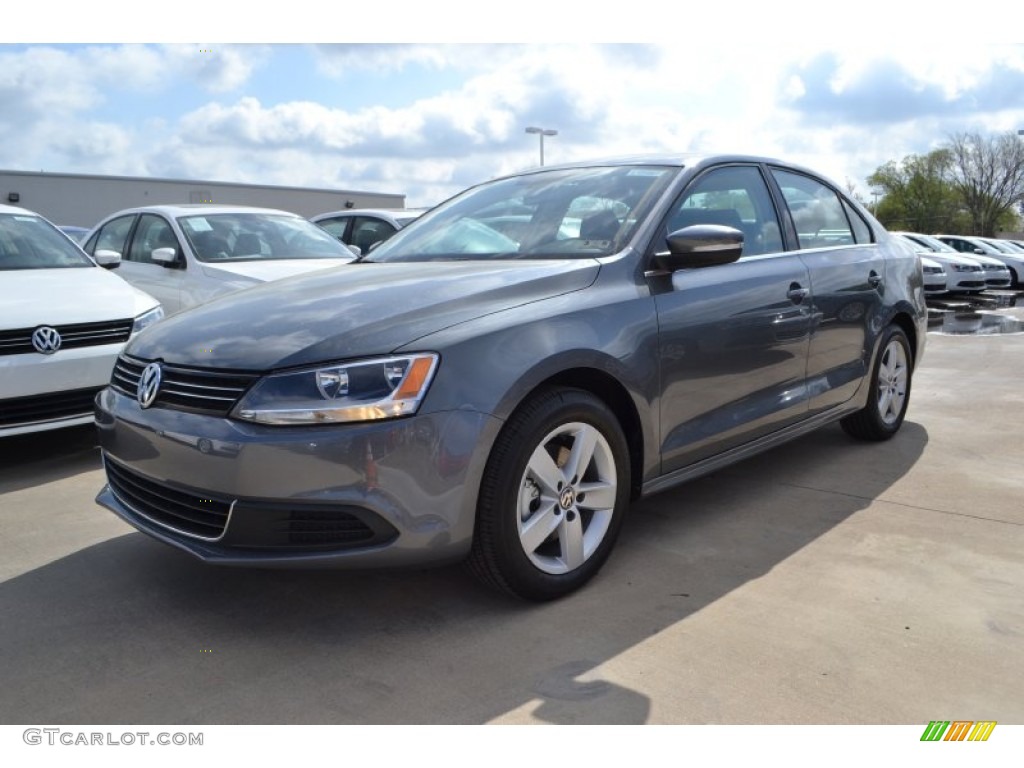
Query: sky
point(427, 99)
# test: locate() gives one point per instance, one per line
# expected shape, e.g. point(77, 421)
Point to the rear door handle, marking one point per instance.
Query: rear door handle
point(797, 293)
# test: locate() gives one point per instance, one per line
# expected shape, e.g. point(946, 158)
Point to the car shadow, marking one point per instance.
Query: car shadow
point(43, 457)
point(130, 631)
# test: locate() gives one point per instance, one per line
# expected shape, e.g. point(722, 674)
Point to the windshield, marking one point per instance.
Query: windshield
point(561, 214)
point(1001, 247)
point(935, 244)
point(259, 236)
point(30, 242)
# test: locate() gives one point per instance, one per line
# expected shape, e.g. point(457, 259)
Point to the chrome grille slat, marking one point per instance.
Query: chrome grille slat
point(179, 393)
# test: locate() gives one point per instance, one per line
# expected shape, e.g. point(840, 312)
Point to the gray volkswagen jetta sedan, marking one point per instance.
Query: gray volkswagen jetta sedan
point(497, 381)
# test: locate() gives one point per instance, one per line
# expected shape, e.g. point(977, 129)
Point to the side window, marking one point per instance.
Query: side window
point(736, 196)
point(818, 213)
point(153, 232)
point(336, 226)
point(861, 230)
point(367, 232)
point(112, 236)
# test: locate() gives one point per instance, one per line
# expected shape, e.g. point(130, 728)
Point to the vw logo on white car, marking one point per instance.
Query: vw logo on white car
point(149, 385)
point(46, 340)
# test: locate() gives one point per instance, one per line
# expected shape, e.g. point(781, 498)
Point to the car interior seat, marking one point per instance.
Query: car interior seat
point(601, 226)
point(247, 244)
point(165, 239)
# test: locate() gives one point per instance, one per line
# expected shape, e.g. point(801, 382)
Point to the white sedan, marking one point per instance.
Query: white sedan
point(934, 277)
point(964, 274)
point(186, 255)
point(63, 321)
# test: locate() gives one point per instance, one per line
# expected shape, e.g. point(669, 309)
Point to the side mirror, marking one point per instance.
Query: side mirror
point(700, 245)
point(355, 249)
point(166, 257)
point(107, 259)
point(979, 251)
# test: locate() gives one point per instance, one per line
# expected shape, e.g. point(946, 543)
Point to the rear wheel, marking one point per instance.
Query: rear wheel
point(889, 397)
point(553, 496)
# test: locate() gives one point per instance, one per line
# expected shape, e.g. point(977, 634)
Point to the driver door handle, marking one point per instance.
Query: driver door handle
point(797, 293)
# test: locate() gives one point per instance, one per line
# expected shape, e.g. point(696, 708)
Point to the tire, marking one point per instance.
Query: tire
point(889, 396)
point(545, 526)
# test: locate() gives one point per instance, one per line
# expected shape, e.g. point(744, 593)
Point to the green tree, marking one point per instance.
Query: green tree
point(918, 194)
point(988, 174)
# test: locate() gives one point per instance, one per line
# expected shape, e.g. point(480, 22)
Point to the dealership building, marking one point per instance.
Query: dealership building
point(83, 200)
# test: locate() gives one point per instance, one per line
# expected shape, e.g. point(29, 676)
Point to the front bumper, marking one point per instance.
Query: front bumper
point(399, 492)
point(43, 392)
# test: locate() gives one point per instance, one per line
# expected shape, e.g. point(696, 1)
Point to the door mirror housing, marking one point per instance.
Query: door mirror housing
point(167, 257)
point(107, 259)
point(700, 245)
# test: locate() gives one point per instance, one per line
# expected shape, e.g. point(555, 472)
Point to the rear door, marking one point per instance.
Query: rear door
point(733, 339)
point(847, 274)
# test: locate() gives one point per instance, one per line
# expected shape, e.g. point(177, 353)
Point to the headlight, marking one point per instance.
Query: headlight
point(364, 390)
point(146, 319)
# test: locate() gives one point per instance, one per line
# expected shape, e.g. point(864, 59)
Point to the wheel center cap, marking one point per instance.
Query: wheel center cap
point(567, 498)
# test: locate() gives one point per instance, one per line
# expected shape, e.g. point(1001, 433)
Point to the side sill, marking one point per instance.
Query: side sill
point(722, 460)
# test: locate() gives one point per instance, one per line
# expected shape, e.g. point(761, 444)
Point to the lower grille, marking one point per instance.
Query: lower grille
point(49, 407)
point(327, 527)
point(182, 509)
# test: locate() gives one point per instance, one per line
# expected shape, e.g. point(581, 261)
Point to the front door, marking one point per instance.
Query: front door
point(733, 339)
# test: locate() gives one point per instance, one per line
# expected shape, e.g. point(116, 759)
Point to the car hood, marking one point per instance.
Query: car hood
point(988, 262)
point(69, 295)
point(952, 258)
point(353, 311)
point(264, 271)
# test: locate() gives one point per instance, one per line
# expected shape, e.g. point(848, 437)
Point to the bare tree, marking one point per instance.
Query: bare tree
point(988, 173)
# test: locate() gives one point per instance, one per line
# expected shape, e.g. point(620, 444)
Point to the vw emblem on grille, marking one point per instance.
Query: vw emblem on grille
point(149, 385)
point(46, 340)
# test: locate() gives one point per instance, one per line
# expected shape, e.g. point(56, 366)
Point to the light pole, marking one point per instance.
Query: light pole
point(541, 132)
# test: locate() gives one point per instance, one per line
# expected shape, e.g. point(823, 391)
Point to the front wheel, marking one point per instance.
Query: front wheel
point(553, 496)
point(889, 397)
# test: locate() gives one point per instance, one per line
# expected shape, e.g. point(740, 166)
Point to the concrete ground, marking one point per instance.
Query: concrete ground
point(824, 582)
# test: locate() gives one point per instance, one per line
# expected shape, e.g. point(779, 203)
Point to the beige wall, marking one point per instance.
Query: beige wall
point(85, 200)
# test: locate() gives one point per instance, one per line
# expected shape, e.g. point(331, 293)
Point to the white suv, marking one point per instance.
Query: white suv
point(63, 321)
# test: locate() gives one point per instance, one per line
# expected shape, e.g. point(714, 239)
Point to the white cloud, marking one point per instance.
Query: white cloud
point(844, 110)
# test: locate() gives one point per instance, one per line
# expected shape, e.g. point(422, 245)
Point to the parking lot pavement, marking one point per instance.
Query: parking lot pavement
point(827, 581)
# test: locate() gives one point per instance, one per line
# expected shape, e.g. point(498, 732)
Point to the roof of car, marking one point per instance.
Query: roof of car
point(186, 209)
point(16, 209)
point(681, 160)
point(374, 211)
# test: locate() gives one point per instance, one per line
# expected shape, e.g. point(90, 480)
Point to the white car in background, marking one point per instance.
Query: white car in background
point(934, 276)
point(363, 228)
point(963, 274)
point(997, 274)
point(63, 321)
point(1011, 255)
point(186, 255)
